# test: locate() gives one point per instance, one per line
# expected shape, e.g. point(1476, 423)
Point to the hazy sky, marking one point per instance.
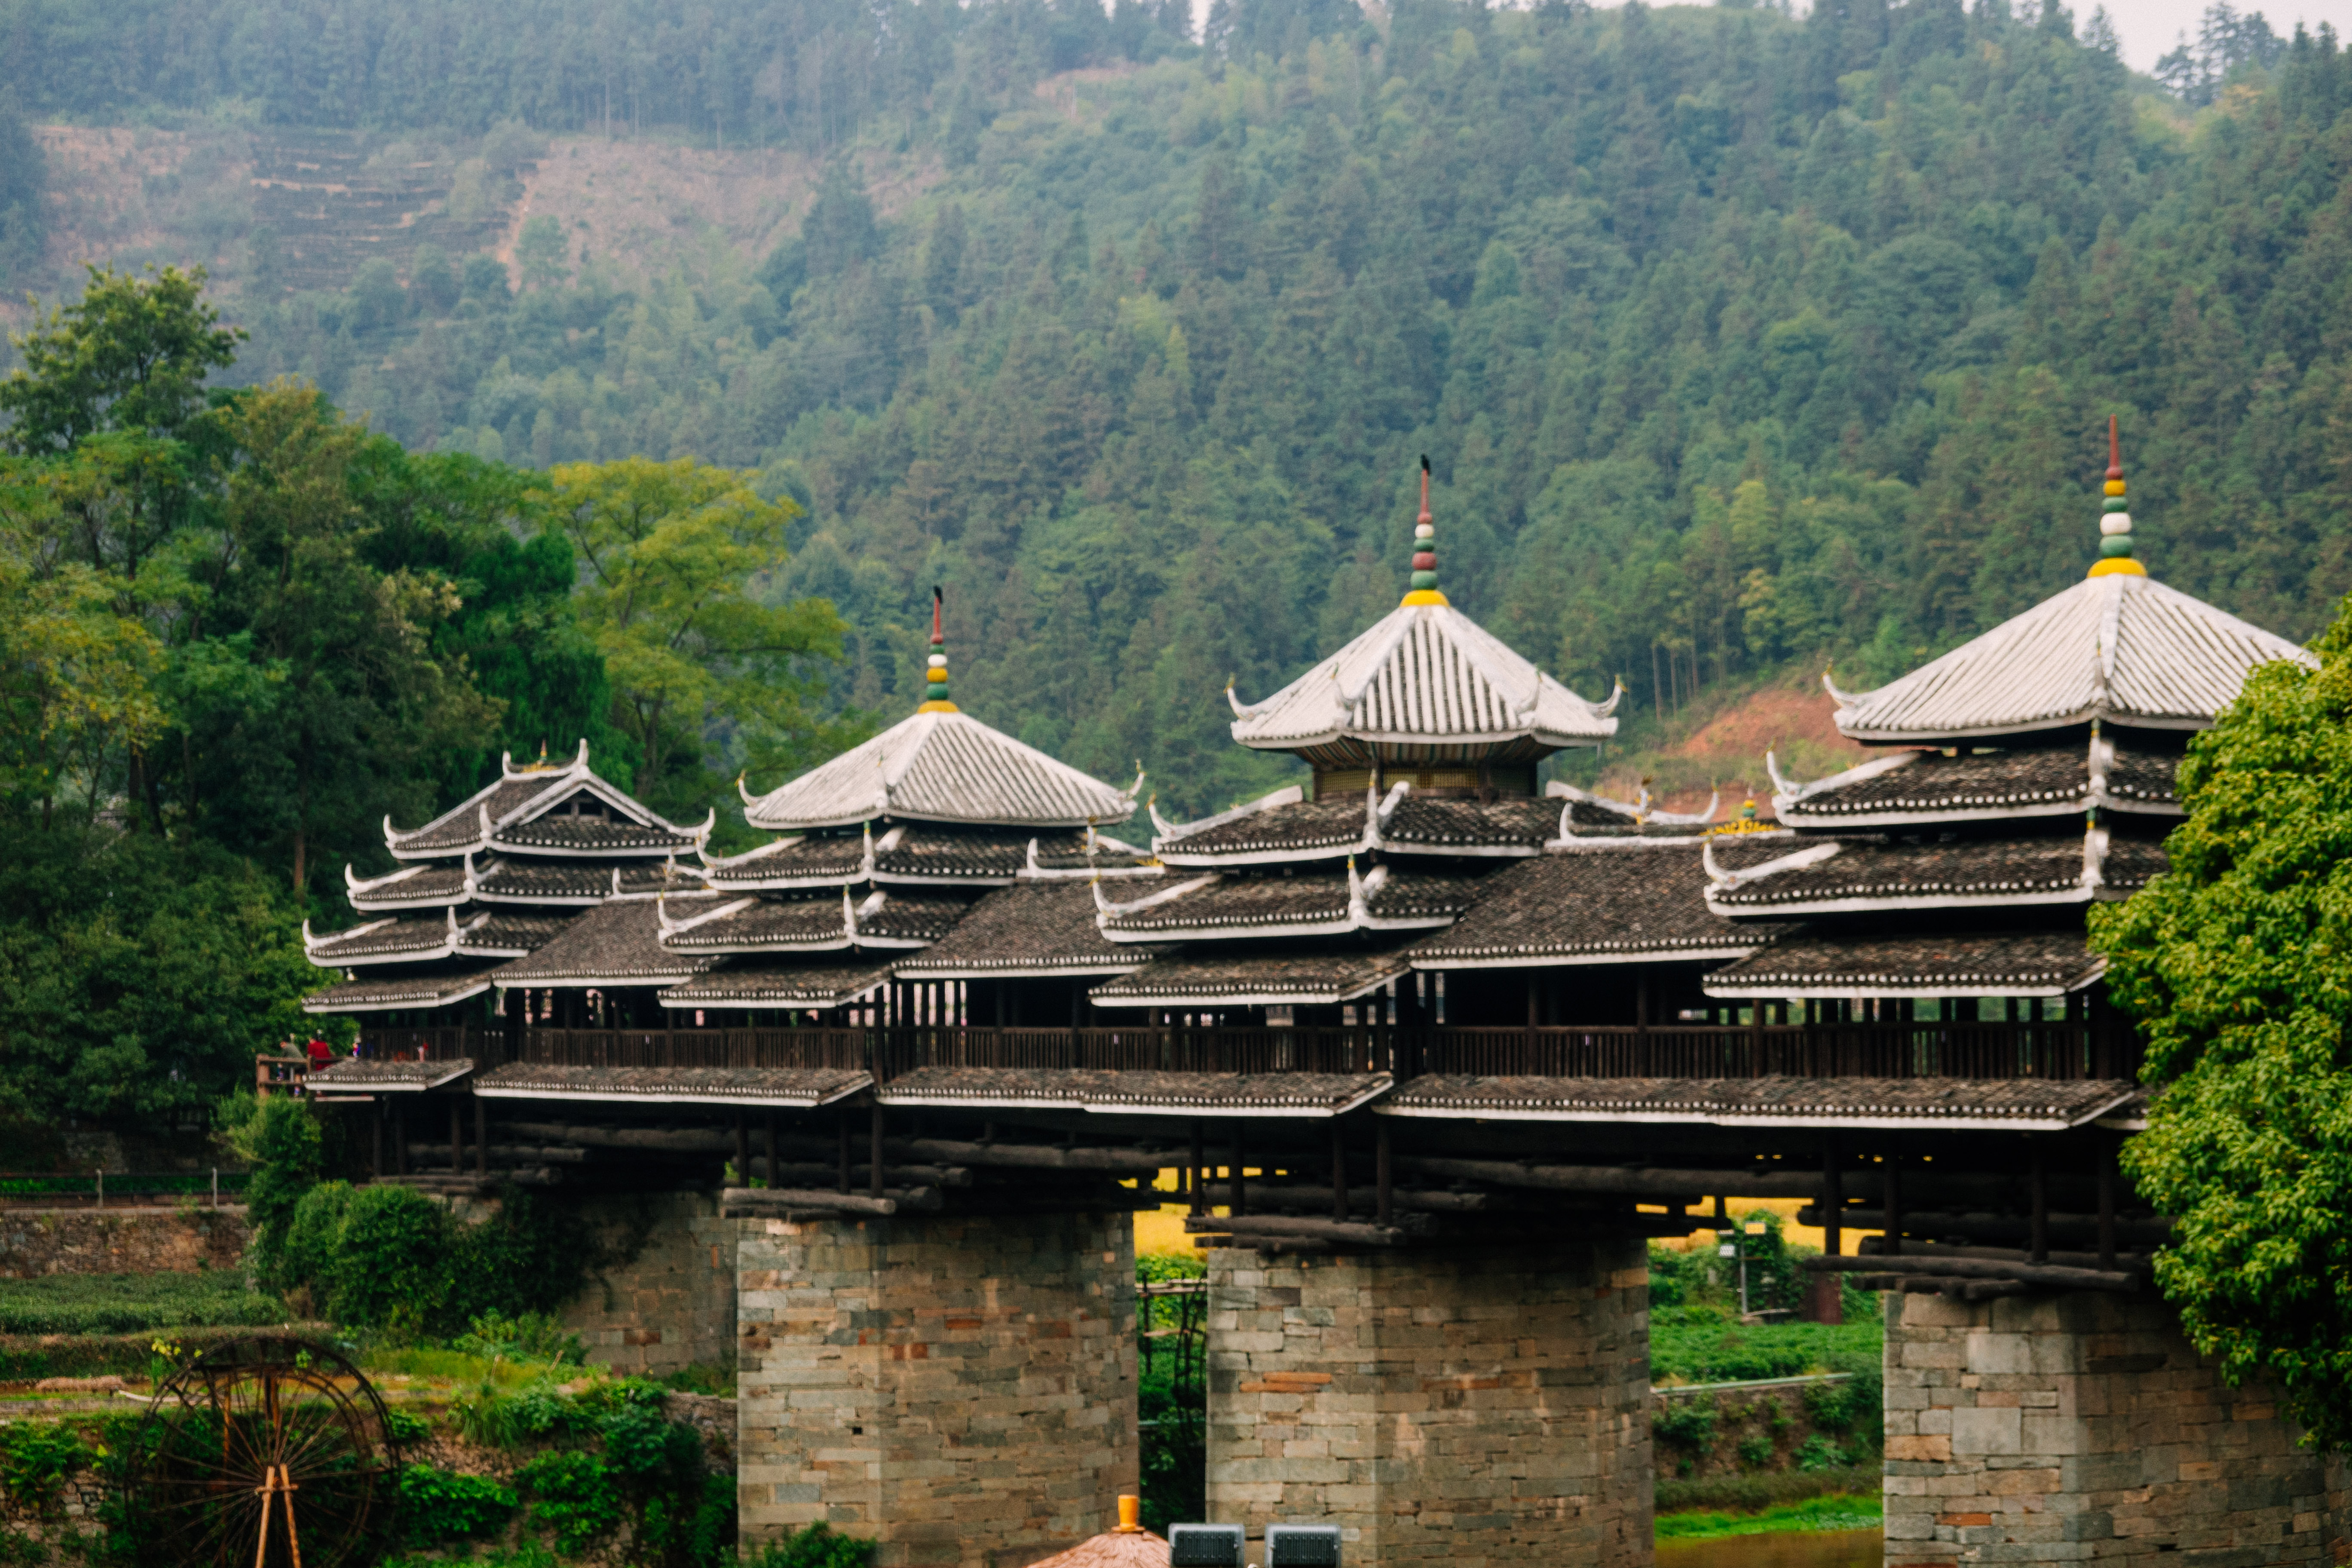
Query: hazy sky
point(2149, 27)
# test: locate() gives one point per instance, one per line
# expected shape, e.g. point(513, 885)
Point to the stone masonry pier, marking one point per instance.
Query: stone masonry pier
point(959, 1388)
point(1471, 1408)
point(2083, 1428)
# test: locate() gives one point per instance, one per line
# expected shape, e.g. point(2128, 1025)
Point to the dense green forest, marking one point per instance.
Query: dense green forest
point(1740, 342)
point(1737, 339)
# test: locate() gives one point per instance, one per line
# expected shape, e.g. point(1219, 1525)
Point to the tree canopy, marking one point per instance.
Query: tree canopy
point(2233, 964)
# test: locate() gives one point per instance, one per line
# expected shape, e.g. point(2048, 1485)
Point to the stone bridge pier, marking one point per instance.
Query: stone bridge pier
point(959, 1388)
point(2083, 1428)
point(1471, 1408)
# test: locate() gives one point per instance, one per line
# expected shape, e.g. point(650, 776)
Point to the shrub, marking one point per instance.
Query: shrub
point(280, 1138)
point(36, 1458)
point(815, 1547)
point(391, 1265)
point(437, 1506)
point(572, 1495)
point(405, 1429)
point(1756, 1451)
point(1684, 1424)
point(1818, 1453)
point(527, 1336)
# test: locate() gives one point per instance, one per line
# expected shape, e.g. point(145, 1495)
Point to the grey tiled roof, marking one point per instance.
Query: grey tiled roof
point(1642, 899)
point(505, 936)
point(1956, 964)
point(1028, 928)
point(1424, 673)
point(591, 836)
point(2023, 1104)
point(383, 1077)
point(1300, 826)
point(375, 992)
point(817, 860)
point(1075, 1089)
point(941, 768)
point(798, 1086)
point(766, 983)
point(1907, 873)
point(614, 943)
point(1285, 976)
point(1421, 821)
point(458, 829)
point(526, 880)
point(1929, 786)
point(1241, 905)
point(412, 887)
point(2120, 648)
point(817, 921)
point(388, 939)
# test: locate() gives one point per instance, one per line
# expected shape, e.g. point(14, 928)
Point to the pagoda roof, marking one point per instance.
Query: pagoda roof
point(516, 881)
point(922, 854)
point(1424, 674)
point(813, 923)
point(794, 1087)
point(377, 1076)
point(1629, 900)
point(938, 766)
point(1284, 828)
point(391, 940)
point(1031, 929)
point(1873, 874)
point(768, 982)
point(412, 887)
point(377, 994)
point(2120, 648)
point(1219, 977)
point(1116, 1091)
point(1810, 962)
point(517, 815)
point(618, 943)
point(1323, 901)
point(2020, 1105)
point(1918, 788)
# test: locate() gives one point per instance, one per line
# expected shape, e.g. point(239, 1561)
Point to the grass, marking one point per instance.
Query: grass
point(133, 1303)
point(1844, 1511)
point(1759, 1491)
point(1691, 1345)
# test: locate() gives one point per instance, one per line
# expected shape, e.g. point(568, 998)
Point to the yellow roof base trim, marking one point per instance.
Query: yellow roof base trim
point(2117, 566)
point(939, 708)
point(1426, 596)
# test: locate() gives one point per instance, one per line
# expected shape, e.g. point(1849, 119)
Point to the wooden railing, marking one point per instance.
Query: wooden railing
point(1991, 1050)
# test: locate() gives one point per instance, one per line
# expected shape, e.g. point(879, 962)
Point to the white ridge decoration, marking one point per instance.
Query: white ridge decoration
point(1724, 881)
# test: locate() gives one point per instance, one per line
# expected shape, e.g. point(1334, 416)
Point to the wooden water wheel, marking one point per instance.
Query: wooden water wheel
point(264, 1452)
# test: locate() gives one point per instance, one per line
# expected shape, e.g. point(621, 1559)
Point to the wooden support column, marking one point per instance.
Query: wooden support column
point(841, 1126)
point(514, 1021)
point(1197, 1181)
point(1383, 1195)
point(1535, 1013)
point(874, 1137)
point(2040, 1175)
point(456, 1136)
point(1338, 1172)
point(375, 1144)
point(1239, 1191)
point(772, 1150)
point(2106, 1200)
point(481, 1136)
point(742, 1149)
point(400, 1141)
point(1894, 1204)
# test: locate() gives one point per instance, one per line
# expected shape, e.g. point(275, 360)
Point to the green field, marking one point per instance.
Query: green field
point(1848, 1511)
point(1689, 1344)
point(132, 1303)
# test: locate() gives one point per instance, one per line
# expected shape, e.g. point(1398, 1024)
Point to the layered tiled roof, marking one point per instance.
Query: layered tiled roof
point(1235, 906)
point(1285, 828)
point(616, 943)
point(815, 923)
point(377, 1076)
point(1920, 788)
point(535, 810)
point(1078, 1088)
point(794, 1087)
point(592, 835)
point(2121, 647)
point(816, 861)
point(941, 767)
point(1031, 929)
point(411, 887)
point(1288, 976)
point(505, 936)
point(523, 881)
point(768, 982)
point(1645, 900)
point(1858, 874)
point(1424, 674)
point(1940, 963)
point(2025, 1105)
point(379, 993)
point(389, 940)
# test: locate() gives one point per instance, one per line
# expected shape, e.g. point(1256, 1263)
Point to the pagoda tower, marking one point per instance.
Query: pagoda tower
point(503, 876)
point(2028, 774)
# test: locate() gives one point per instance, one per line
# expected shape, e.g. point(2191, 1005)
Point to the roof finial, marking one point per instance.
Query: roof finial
point(1425, 550)
point(935, 696)
point(2115, 523)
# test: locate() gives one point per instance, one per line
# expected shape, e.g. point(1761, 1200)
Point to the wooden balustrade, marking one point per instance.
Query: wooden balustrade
point(1989, 1050)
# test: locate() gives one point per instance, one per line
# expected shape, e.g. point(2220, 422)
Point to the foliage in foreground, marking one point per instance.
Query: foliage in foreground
point(1842, 1510)
point(1758, 1490)
point(2234, 962)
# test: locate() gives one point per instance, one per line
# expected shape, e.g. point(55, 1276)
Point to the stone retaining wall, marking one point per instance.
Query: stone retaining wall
point(671, 1304)
point(38, 1241)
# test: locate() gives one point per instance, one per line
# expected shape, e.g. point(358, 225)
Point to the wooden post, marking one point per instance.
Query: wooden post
point(841, 1126)
point(2106, 1201)
point(1894, 1173)
point(457, 1138)
point(400, 1141)
point(514, 1000)
point(1241, 1193)
point(742, 1149)
point(1200, 1158)
point(2041, 1202)
point(1338, 1172)
point(772, 1150)
point(481, 1136)
point(376, 1145)
point(1534, 1013)
point(874, 1176)
point(1832, 1199)
point(1384, 1203)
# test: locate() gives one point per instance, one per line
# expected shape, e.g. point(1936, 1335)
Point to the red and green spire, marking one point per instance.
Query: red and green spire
point(2114, 519)
point(935, 678)
point(1425, 550)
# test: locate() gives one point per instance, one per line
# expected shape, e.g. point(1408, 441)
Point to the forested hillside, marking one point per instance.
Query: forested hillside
point(1738, 342)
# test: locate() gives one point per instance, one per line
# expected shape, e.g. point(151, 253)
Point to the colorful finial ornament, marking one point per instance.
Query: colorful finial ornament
point(1425, 550)
point(2114, 520)
point(935, 694)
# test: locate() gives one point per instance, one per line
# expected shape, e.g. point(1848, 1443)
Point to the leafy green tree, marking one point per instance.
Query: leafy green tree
point(280, 1139)
point(130, 354)
point(24, 177)
point(670, 553)
point(2231, 963)
point(543, 254)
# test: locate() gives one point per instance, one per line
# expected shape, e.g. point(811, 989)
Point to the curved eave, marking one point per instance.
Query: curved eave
point(564, 900)
point(1836, 821)
point(1551, 738)
point(551, 852)
point(894, 879)
point(445, 852)
point(2100, 711)
point(876, 812)
point(853, 878)
point(1697, 953)
point(448, 999)
point(1291, 856)
point(1805, 909)
point(1019, 969)
point(457, 899)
